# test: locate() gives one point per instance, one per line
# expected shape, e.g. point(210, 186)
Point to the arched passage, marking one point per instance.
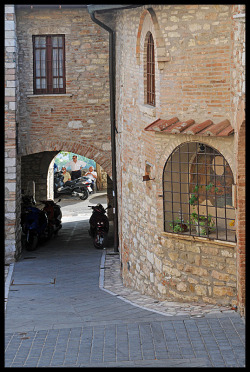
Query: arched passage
point(99, 155)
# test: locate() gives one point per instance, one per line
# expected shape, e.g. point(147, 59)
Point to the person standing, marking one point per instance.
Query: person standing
point(76, 166)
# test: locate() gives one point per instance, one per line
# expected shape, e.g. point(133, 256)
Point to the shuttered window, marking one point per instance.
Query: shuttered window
point(49, 64)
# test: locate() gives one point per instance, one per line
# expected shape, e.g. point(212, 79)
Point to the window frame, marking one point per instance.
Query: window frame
point(150, 70)
point(49, 89)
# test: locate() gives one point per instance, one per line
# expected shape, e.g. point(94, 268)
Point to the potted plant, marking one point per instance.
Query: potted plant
point(178, 226)
point(204, 224)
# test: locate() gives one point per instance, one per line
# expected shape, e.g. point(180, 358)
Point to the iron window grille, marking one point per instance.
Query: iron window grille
point(198, 193)
point(150, 71)
point(49, 64)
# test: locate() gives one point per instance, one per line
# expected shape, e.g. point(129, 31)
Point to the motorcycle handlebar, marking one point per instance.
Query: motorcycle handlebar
point(91, 206)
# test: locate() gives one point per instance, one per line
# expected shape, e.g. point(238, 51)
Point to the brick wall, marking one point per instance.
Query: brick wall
point(77, 121)
point(193, 80)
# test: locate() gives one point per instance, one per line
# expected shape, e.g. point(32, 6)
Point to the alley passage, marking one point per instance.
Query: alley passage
point(57, 316)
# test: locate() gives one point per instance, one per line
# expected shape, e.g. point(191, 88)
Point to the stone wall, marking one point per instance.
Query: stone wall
point(12, 162)
point(193, 80)
point(185, 269)
point(35, 168)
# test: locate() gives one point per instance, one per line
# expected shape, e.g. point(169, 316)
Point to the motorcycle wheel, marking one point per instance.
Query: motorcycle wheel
point(84, 193)
point(100, 240)
point(32, 242)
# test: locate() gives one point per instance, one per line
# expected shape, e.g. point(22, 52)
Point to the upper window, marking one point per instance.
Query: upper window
point(198, 193)
point(150, 71)
point(49, 64)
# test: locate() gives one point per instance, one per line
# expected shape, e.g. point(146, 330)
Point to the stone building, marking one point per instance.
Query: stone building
point(180, 133)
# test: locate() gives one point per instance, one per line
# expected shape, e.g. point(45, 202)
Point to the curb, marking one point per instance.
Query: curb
point(7, 284)
point(101, 286)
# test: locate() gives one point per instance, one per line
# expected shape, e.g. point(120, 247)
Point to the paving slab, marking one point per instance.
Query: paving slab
point(59, 314)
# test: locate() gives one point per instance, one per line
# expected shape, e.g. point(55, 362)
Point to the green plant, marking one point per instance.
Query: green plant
point(210, 186)
point(178, 226)
point(204, 224)
point(194, 195)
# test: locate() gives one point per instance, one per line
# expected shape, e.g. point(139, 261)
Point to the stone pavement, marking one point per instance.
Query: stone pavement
point(63, 311)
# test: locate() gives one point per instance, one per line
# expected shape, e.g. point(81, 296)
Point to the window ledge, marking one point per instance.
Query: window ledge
point(148, 110)
point(199, 239)
point(62, 95)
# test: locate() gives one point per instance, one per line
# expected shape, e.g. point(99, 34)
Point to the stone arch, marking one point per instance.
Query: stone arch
point(149, 22)
point(103, 158)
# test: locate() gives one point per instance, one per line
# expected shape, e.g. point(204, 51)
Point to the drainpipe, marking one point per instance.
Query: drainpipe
point(91, 11)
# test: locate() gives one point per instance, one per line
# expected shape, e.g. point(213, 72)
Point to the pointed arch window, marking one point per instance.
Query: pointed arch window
point(150, 71)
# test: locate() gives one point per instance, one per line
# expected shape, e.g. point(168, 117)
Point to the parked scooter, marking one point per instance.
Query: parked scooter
point(34, 223)
point(54, 214)
point(99, 225)
point(80, 187)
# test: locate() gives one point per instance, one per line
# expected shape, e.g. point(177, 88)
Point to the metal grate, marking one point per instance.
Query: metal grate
point(197, 192)
point(150, 71)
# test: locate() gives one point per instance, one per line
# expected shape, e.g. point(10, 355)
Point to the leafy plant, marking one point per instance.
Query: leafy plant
point(178, 226)
point(204, 224)
point(194, 196)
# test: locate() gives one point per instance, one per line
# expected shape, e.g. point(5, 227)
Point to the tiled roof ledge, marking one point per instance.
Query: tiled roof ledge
point(206, 128)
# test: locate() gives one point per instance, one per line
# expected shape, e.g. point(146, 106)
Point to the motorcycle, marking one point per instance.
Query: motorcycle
point(99, 225)
point(54, 214)
point(34, 223)
point(79, 187)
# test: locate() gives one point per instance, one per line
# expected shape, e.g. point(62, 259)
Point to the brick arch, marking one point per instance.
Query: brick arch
point(90, 151)
point(149, 22)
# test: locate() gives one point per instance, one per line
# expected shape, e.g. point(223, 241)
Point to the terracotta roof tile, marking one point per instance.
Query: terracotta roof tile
point(215, 129)
point(206, 128)
point(195, 129)
point(180, 126)
point(160, 125)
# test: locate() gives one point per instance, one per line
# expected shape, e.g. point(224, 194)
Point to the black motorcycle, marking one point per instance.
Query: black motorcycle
point(54, 214)
point(34, 224)
point(78, 187)
point(99, 225)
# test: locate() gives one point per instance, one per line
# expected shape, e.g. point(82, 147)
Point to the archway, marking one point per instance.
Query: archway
point(101, 156)
point(62, 158)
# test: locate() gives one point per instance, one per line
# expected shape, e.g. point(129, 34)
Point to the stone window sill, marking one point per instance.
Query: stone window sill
point(199, 239)
point(148, 110)
point(49, 95)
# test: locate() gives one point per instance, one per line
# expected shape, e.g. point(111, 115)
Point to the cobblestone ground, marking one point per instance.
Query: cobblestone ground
point(63, 311)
